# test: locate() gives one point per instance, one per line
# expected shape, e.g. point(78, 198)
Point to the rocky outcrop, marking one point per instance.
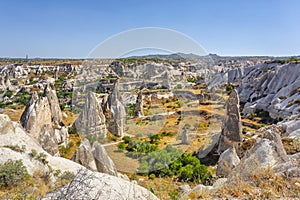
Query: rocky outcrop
point(114, 111)
point(139, 105)
point(267, 152)
point(91, 120)
point(94, 158)
point(94, 185)
point(56, 113)
point(13, 135)
point(42, 118)
point(36, 115)
point(84, 155)
point(232, 127)
point(227, 162)
point(103, 162)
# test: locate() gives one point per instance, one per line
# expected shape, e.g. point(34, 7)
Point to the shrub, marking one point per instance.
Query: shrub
point(33, 153)
point(13, 173)
point(127, 139)
point(154, 139)
point(152, 176)
point(229, 88)
point(121, 146)
point(8, 93)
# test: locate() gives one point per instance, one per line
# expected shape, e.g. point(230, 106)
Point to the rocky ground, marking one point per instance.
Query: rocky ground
point(147, 128)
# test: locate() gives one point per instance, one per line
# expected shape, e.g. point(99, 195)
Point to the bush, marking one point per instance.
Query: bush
point(121, 146)
point(229, 88)
point(8, 93)
point(33, 153)
point(127, 139)
point(154, 139)
point(13, 173)
point(171, 161)
point(152, 176)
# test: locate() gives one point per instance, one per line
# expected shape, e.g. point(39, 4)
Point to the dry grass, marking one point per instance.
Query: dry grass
point(290, 145)
point(122, 162)
point(14, 115)
point(262, 184)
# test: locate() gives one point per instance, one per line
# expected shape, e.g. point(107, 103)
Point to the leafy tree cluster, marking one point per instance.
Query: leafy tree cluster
point(172, 162)
point(136, 146)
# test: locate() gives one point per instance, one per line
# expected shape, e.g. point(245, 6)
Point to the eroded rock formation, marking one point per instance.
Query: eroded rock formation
point(232, 127)
point(94, 158)
point(114, 111)
point(91, 120)
point(139, 105)
point(42, 118)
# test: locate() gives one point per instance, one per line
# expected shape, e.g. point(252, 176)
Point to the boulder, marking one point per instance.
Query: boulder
point(84, 156)
point(232, 127)
point(91, 120)
point(227, 162)
point(48, 141)
point(103, 162)
point(94, 185)
point(266, 152)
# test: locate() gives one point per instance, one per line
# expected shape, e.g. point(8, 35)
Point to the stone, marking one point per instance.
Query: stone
point(6, 124)
point(114, 112)
point(232, 127)
point(36, 115)
point(184, 188)
point(48, 141)
point(42, 118)
point(291, 168)
point(15, 135)
point(84, 156)
point(54, 105)
point(211, 143)
point(95, 185)
point(91, 120)
point(227, 162)
point(103, 162)
point(266, 152)
point(139, 105)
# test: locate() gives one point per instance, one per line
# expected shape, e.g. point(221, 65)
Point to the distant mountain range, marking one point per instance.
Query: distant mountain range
point(192, 56)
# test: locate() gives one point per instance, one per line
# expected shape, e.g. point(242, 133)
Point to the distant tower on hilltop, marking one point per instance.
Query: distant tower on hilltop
point(26, 58)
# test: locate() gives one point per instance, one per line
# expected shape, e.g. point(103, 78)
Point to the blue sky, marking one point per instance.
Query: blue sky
point(65, 28)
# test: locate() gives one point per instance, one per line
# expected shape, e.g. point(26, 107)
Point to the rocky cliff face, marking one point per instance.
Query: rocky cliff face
point(42, 118)
point(91, 120)
point(270, 87)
